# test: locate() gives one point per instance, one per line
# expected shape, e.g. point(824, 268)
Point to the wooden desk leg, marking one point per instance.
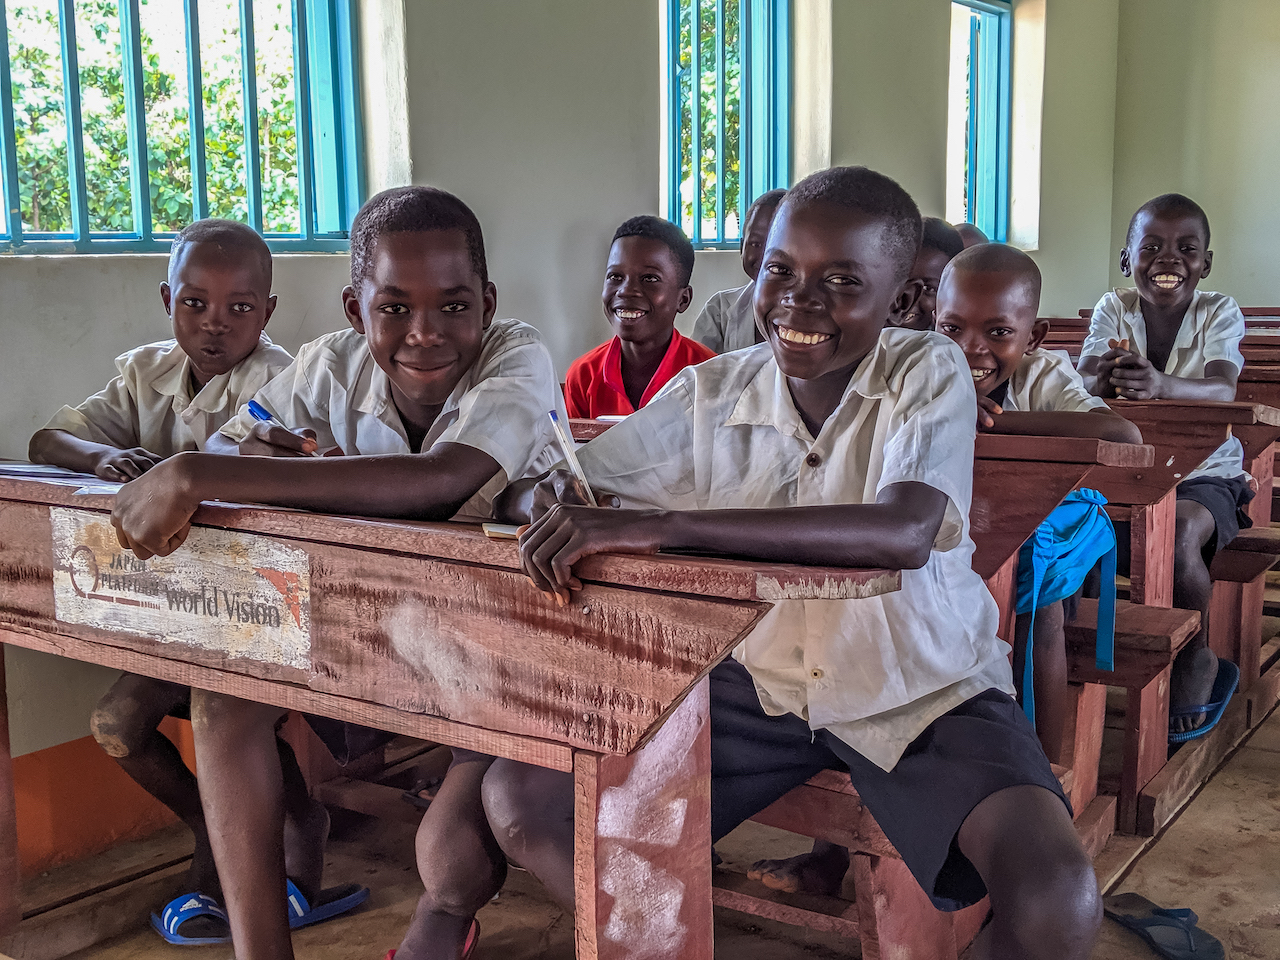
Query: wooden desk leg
point(642, 843)
point(1003, 587)
point(1151, 552)
point(10, 906)
point(897, 919)
point(1082, 741)
point(1146, 744)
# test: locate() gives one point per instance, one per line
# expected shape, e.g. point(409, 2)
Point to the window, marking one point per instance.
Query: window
point(728, 112)
point(978, 112)
point(123, 120)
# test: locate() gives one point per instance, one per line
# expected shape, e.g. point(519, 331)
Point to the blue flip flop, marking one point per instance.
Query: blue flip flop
point(187, 907)
point(1173, 934)
point(1224, 685)
point(333, 902)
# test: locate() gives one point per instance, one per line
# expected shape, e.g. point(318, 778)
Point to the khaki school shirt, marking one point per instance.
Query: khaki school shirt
point(728, 320)
point(1046, 382)
point(1212, 329)
point(150, 404)
point(725, 434)
point(500, 405)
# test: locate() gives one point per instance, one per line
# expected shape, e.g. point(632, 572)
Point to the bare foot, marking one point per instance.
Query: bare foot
point(820, 871)
point(1194, 672)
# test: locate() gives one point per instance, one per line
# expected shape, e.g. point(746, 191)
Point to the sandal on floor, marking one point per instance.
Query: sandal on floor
point(468, 948)
point(331, 903)
point(1172, 934)
point(189, 906)
point(1224, 685)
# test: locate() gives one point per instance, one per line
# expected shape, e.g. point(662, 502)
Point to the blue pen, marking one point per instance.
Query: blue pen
point(259, 412)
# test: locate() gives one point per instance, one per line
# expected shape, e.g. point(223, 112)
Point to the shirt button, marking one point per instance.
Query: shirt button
point(816, 673)
point(813, 459)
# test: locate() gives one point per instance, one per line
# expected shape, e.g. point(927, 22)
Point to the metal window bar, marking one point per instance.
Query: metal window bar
point(9, 155)
point(975, 113)
point(695, 139)
point(75, 129)
point(195, 112)
point(302, 119)
point(136, 110)
point(249, 101)
point(720, 119)
point(675, 115)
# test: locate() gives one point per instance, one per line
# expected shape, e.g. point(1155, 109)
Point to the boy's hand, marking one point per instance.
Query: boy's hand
point(566, 533)
point(125, 465)
point(988, 409)
point(1134, 377)
point(273, 440)
point(561, 486)
point(152, 514)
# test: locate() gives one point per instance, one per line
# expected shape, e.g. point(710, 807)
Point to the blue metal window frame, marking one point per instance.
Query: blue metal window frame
point(990, 115)
point(329, 125)
point(764, 136)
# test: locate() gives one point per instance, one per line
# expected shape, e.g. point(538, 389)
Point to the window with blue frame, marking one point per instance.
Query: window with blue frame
point(121, 121)
point(979, 115)
point(728, 110)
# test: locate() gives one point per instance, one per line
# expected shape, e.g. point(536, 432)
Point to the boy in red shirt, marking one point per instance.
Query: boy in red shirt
point(646, 283)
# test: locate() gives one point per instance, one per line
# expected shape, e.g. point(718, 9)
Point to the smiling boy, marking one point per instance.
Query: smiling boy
point(437, 407)
point(938, 244)
point(727, 320)
point(1183, 344)
point(646, 286)
point(839, 443)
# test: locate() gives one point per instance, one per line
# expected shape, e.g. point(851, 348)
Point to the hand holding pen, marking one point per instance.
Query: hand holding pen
point(270, 438)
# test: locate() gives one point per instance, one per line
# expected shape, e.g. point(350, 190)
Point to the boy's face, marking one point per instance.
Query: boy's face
point(423, 310)
point(993, 319)
point(754, 237)
point(1167, 258)
point(219, 299)
point(643, 291)
point(826, 288)
point(928, 271)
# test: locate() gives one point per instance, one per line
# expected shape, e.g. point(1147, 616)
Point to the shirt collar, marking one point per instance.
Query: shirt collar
point(666, 368)
point(1189, 327)
point(376, 399)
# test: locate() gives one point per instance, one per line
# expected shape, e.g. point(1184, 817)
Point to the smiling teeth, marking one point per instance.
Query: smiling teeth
point(628, 314)
point(1166, 281)
point(795, 336)
point(980, 374)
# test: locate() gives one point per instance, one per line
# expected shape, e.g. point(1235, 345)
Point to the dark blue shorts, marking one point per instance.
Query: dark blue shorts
point(1226, 499)
point(982, 746)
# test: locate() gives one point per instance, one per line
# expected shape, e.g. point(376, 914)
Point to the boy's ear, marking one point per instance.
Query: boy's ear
point(1126, 267)
point(685, 298)
point(905, 300)
point(271, 308)
point(351, 307)
point(166, 297)
point(490, 303)
point(1039, 330)
point(1208, 263)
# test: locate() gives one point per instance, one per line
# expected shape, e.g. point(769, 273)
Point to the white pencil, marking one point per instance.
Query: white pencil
point(566, 446)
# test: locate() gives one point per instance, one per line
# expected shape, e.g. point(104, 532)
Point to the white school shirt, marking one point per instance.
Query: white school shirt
point(500, 406)
point(1212, 329)
point(1045, 382)
point(726, 434)
point(728, 320)
point(150, 403)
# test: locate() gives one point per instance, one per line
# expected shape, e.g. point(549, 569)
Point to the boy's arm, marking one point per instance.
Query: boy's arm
point(153, 513)
point(64, 449)
point(1134, 378)
point(897, 531)
point(1099, 425)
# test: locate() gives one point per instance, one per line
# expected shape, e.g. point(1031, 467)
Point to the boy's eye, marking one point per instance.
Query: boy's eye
point(192, 302)
point(841, 280)
point(613, 275)
point(776, 269)
point(948, 328)
point(242, 307)
point(651, 278)
point(1000, 333)
point(395, 309)
point(455, 307)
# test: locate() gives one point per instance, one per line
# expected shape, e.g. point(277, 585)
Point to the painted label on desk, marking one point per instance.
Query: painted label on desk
point(238, 594)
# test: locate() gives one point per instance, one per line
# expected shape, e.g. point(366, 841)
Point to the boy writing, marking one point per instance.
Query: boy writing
point(437, 406)
point(836, 442)
point(1164, 339)
point(646, 284)
point(726, 322)
point(938, 244)
point(169, 397)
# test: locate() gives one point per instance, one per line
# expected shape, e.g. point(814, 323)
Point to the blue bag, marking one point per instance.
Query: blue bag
point(1052, 565)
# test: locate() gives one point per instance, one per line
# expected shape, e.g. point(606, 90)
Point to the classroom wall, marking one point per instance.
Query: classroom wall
point(1198, 96)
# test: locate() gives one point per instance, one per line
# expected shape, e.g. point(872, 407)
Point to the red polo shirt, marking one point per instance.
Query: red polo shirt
point(593, 386)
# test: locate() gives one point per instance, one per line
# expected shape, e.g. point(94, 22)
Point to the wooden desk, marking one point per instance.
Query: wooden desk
point(430, 630)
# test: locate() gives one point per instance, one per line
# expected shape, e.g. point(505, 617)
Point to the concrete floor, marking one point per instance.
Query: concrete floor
point(1218, 857)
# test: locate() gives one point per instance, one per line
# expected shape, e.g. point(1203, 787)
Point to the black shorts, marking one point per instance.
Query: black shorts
point(982, 746)
point(1226, 500)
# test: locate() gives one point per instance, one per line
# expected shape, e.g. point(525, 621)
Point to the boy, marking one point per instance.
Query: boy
point(971, 235)
point(838, 443)
point(169, 397)
point(437, 406)
point(726, 322)
point(938, 244)
point(1164, 339)
point(646, 284)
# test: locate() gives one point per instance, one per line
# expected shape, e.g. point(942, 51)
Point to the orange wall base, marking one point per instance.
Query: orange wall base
point(74, 801)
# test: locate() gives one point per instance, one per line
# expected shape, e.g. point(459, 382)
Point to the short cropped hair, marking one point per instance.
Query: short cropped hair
point(970, 234)
point(227, 235)
point(413, 210)
point(665, 232)
point(770, 198)
point(874, 194)
point(1169, 204)
point(941, 236)
point(1000, 258)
